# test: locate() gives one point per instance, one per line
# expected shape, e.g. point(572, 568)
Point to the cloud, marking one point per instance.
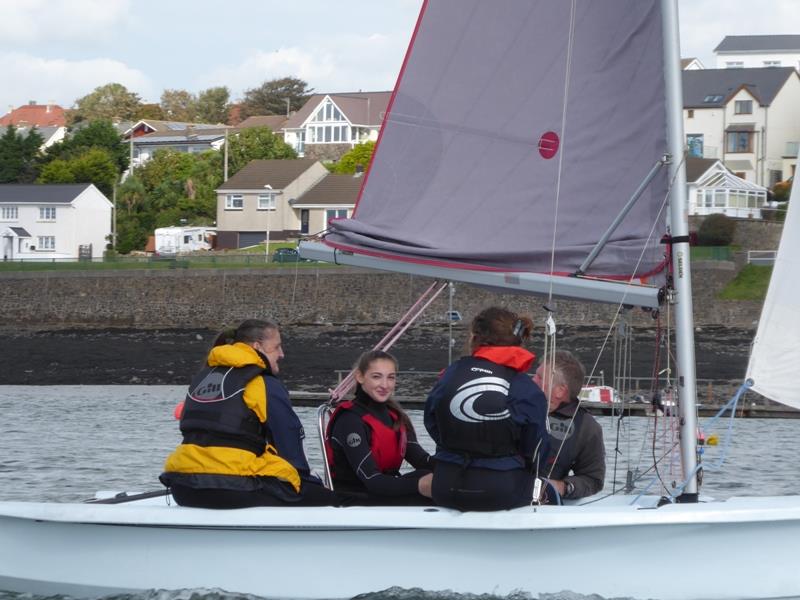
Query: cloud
point(40, 21)
point(63, 81)
point(344, 63)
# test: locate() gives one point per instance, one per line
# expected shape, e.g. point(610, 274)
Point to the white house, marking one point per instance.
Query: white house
point(179, 240)
point(747, 118)
point(50, 134)
point(691, 64)
point(751, 51)
point(53, 221)
point(712, 189)
point(329, 125)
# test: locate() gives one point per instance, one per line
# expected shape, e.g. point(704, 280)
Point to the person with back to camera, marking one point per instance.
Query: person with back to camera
point(369, 437)
point(576, 438)
point(242, 441)
point(488, 419)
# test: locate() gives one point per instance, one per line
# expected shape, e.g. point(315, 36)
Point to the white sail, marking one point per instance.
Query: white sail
point(775, 356)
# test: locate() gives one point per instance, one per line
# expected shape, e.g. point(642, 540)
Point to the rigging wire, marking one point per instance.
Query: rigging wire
point(567, 74)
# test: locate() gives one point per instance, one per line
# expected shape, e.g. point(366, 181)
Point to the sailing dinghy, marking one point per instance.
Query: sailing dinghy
point(531, 146)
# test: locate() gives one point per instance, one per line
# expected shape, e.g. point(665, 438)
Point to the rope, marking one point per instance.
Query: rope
point(567, 75)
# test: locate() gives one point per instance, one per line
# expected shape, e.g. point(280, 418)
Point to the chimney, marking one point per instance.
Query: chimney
point(31, 102)
point(50, 106)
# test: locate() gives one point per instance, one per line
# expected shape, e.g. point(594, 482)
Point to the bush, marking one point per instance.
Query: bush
point(716, 230)
point(781, 191)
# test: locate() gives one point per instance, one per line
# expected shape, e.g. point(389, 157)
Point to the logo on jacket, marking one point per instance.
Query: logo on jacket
point(210, 388)
point(561, 429)
point(353, 440)
point(462, 405)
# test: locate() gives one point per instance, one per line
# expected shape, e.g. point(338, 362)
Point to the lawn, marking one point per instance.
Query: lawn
point(750, 284)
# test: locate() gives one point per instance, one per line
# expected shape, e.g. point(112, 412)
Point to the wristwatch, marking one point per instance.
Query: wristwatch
point(570, 487)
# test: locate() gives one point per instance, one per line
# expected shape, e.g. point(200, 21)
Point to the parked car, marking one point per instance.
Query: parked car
point(282, 255)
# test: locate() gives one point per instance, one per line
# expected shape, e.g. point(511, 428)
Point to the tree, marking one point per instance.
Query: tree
point(112, 101)
point(150, 111)
point(92, 166)
point(178, 105)
point(276, 97)
point(359, 156)
point(256, 143)
point(213, 105)
point(716, 230)
point(97, 134)
point(18, 155)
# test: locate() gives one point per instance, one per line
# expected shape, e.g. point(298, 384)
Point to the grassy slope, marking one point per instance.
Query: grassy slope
point(750, 284)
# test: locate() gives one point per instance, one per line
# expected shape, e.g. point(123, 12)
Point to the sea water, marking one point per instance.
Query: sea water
point(64, 443)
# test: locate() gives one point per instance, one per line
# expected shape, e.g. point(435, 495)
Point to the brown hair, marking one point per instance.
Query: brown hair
point(248, 332)
point(496, 326)
point(362, 366)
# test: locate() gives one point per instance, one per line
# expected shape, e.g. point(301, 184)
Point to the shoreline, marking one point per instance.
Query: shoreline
point(80, 356)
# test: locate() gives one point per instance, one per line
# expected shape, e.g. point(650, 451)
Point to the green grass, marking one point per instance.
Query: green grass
point(750, 284)
point(711, 252)
point(234, 261)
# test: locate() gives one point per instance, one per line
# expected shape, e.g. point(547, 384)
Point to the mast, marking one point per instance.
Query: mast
point(681, 264)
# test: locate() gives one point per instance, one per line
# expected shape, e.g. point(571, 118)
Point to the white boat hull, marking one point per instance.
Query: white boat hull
point(607, 548)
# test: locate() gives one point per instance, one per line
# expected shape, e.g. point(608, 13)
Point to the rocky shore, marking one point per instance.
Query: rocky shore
point(313, 353)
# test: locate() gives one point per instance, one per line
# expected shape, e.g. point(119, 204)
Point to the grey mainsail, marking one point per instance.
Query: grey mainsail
point(517, 132)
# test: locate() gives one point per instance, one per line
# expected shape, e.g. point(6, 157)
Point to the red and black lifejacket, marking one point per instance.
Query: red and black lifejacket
point(388, 445)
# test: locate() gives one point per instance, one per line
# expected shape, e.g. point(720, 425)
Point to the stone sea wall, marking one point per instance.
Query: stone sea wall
point(190, 298)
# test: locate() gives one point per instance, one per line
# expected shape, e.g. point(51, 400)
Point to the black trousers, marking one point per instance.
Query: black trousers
point(279, 494)
point(473, 488)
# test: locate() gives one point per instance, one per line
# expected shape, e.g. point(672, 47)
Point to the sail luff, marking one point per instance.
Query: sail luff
point(681, 263)
point(775, 353)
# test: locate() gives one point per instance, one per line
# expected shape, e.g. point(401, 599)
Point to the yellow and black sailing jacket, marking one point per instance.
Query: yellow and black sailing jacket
point(224, 424)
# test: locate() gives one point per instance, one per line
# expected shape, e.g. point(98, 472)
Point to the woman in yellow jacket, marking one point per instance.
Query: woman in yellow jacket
point(227, 458)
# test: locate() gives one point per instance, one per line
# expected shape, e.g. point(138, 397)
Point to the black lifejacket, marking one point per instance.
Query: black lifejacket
point(215, 414)
point(473, 416)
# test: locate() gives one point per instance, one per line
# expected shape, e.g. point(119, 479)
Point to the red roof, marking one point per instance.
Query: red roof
point(40, 115)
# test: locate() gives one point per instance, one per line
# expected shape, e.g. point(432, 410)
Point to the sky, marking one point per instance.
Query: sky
point(59, 50)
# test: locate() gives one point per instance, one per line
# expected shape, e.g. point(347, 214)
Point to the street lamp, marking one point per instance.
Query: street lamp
point(269, 210)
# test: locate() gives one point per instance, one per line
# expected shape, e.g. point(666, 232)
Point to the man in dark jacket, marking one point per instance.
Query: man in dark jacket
point(576, 439)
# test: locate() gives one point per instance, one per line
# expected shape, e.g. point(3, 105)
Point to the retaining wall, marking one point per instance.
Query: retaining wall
point(216, 297)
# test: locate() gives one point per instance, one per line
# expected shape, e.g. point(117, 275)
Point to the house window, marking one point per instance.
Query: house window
point(734, 64)
point(46, 242)
point(772, 63)
point(774, 177)
point(713, 98)
point(690, 113)
point(739, 141)
point(694, 143)
point(266, 202)
point(743, 107)
point(328, 134)
point(187, 239)
point(47, 213)
point(9, 213)
point(328, 126)
point(234, 202)
point(335, 214)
